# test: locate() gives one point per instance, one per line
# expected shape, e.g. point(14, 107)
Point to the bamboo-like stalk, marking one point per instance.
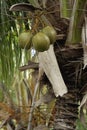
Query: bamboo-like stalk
point(75, 29)
point(84, 42)
point(64, 9)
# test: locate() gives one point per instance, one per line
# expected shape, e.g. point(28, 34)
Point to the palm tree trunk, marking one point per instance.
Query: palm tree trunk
point(70, 62)
point(67, 110)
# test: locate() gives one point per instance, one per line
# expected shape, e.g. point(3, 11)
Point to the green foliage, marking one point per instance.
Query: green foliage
point(75, 27)
point(1, 96)
point(80, 126)
point(11, 24)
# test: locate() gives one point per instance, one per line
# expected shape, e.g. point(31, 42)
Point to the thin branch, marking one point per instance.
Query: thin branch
point(33, 100)
point(31, 65)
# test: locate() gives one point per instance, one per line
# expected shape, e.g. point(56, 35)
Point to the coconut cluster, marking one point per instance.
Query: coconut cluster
point(40, 41)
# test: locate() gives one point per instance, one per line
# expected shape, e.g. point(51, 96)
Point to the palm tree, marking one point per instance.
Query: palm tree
point(67, 18)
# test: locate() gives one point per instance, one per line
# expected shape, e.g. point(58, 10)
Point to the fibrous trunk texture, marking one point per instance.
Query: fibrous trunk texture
point(70, 61)
point(67, 110)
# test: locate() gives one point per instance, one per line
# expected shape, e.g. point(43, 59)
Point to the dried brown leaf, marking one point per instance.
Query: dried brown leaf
point(3, 123)
point(6, 108)
point(23, 7)
point(41, 127)
point(9, 127)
